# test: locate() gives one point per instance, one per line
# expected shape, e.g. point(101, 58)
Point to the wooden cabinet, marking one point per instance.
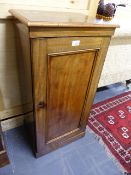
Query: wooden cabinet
point(63, 57)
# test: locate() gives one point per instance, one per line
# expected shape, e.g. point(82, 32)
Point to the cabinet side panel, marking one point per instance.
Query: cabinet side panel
point(39, 71)
point(23, 61)
point(23, 53)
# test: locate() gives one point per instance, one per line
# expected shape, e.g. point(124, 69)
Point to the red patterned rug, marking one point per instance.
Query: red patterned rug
point(111, 121)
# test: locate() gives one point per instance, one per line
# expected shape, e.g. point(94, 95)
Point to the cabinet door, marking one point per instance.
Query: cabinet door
point(67, 84)
point(62, 80)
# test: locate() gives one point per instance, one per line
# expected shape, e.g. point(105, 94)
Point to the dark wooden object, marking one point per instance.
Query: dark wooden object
point(4, 160)
point(62, 55)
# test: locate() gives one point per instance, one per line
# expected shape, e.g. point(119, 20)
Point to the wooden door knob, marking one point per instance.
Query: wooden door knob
point(41, 105)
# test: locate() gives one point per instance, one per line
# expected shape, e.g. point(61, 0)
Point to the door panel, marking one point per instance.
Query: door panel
point(67, 82)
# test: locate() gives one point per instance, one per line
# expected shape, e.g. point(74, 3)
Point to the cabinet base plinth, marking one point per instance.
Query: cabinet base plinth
point(60, 144)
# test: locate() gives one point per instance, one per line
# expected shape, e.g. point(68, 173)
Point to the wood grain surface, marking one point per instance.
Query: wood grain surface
point(64, 75)
point(68, 77)
point(57, 19)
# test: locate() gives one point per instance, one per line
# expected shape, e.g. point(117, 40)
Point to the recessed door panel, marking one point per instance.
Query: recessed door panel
point(68, 77)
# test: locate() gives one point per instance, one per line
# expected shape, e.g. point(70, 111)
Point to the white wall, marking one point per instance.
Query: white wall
point(64, 5)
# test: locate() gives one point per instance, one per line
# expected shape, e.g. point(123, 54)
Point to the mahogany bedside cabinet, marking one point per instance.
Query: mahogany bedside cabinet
point(63, 54)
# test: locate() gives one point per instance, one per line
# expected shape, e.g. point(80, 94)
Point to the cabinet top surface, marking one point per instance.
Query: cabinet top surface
point(57, 19)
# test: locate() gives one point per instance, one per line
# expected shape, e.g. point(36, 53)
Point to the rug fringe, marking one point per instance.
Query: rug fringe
point(109, 154)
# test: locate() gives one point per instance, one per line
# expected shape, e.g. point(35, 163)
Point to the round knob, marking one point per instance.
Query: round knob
point(41, 105)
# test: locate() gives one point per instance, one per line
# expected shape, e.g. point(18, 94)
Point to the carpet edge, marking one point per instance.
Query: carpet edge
point(108, 152)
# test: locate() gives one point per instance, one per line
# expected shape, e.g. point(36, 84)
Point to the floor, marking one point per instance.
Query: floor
point(82, 157)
